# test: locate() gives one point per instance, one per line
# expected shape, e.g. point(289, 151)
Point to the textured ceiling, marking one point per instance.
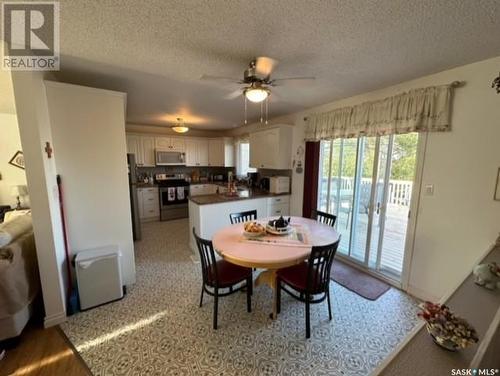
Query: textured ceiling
point(156, 50)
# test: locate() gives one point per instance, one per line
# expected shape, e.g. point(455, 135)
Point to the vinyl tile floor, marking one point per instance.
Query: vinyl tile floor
point(158, 328)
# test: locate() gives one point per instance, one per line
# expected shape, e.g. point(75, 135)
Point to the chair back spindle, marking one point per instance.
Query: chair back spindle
point(322, 217)
point(245, 216)
point(319, 266)
point(207, 259)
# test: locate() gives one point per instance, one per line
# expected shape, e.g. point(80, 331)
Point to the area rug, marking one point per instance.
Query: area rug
point(355, 280)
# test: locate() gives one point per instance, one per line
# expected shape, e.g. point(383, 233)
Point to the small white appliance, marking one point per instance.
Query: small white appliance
point(279, 184)
point(99, 276)
point(170, 158)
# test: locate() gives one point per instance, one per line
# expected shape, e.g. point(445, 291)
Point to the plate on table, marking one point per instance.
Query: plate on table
point(279, 231)
point(253, 230)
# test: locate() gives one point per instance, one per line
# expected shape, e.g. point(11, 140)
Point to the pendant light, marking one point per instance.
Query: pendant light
point(180, 127)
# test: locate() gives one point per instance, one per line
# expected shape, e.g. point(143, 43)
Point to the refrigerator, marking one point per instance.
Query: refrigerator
point(134, 202)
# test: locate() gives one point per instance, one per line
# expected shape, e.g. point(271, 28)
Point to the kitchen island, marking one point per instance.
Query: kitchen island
point(210, 213)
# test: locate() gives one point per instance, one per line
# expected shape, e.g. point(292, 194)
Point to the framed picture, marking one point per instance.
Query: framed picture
point(18, 160)
point(497, 187)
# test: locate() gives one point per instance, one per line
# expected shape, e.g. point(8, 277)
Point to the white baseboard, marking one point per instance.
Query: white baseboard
point(55, 319)
point(421, 294)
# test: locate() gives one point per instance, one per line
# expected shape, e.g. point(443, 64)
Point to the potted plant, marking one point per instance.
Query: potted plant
point(447, 330)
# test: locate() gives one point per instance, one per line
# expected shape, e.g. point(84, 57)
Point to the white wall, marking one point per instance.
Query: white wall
point(34, 128)
point(88, 130)
point(460, 221)
point(10, 143)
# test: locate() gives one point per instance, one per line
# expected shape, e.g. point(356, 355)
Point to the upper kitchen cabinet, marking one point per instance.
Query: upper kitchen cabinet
point(144, 149)
point(170, 144)
point(220, 152)
point(196, 152)
point(271, 148)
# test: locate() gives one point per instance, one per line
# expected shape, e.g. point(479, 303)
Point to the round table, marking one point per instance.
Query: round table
point(229, 245)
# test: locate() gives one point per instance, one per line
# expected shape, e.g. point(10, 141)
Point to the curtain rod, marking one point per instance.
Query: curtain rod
point(454, 84)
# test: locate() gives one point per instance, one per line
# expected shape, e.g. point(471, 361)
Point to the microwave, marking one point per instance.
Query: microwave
point(170, 158)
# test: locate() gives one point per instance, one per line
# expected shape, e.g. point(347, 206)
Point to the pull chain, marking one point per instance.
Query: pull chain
point(261, 112)
point(267, 108)
point(245, 98)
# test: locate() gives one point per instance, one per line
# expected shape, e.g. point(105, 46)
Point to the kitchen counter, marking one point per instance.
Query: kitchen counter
point(146, 185)
point(241, 195)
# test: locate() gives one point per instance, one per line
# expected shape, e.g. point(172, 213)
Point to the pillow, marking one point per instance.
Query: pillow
point(11, 214)
point(14, 228)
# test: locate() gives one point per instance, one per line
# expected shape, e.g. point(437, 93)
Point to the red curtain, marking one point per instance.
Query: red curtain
point(311, 173)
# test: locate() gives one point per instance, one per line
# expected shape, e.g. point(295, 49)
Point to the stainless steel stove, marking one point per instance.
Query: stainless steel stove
point(174, 190)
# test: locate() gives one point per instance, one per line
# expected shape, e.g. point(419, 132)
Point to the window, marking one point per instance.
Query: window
point(243, 159)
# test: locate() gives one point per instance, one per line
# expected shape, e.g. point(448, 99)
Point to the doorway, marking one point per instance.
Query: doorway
point(367, 182)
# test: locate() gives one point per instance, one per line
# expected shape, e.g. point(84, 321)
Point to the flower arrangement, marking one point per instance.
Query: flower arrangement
point(447, 330)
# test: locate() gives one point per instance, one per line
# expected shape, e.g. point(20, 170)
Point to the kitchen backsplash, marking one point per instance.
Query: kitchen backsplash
point(203, 171)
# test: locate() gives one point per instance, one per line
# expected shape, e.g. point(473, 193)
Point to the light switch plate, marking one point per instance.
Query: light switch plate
point(429, 189)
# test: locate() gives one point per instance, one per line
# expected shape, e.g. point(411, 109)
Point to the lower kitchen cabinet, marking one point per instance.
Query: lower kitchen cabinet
point(149, 203)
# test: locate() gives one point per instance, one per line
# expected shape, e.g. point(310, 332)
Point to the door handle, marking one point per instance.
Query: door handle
point(378, 207)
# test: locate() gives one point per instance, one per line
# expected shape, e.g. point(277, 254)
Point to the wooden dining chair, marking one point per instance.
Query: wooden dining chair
point(245, 216)
point(309, 281)
point(322, 217)
point(220, 274)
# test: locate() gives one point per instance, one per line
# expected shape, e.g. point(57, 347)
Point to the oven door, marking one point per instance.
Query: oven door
point(170, 196)
point(170, 158)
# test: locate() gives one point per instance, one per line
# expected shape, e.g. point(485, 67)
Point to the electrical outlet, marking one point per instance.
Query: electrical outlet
point(429, 190)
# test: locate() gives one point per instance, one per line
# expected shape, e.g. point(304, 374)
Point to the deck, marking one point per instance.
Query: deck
point(393, 242)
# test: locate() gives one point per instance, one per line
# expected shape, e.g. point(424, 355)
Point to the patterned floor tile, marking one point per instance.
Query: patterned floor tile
point(158, 329)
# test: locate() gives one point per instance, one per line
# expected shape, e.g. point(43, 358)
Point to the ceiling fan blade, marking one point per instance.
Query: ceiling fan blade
point(292, 80)
point(234, 94)
point(264, 66)
point(206, 77)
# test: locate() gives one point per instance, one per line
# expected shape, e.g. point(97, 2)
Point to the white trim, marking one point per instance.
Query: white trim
point(488, 336)
point(411, 228)
point(56, 319)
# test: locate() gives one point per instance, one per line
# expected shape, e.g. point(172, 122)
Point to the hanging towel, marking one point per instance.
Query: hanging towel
point(171, 194)
point(180, 193)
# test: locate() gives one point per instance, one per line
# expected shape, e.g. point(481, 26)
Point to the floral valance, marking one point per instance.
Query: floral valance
point(419, 110)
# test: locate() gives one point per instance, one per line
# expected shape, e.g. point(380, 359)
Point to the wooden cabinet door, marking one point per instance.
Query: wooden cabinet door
point(134, 146)
point(191, 152)
point(162, 143)
point(177, 144)
point(257, 149)
point(148, 150)
point(270, 148)
point(216, 152)
point(202, 153)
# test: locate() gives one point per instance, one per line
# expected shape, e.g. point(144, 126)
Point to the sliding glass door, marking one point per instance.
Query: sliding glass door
point(367, 183)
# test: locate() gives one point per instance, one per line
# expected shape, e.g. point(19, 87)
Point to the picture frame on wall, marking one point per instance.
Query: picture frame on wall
point(496, 196)
point(18, 160)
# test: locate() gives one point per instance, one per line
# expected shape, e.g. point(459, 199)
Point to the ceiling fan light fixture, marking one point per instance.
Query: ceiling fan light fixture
point(180, 127)
point(256, 94)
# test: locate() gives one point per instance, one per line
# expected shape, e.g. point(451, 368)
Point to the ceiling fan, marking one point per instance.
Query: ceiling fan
point(257, 80)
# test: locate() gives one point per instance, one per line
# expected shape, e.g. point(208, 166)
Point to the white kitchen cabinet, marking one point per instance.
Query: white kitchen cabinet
point(278, 205)
point(271, 148)
point(220, 152)
point(144, 149)
point(148, 151)
point(170, 143)
point(149, 203)
point(196, 152)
